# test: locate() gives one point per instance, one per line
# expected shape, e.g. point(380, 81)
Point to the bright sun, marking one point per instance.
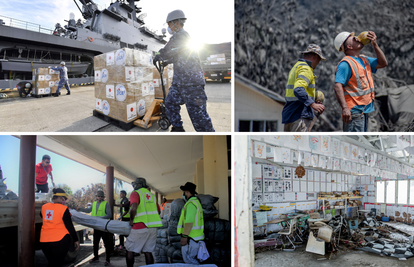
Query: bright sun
point(195, 45)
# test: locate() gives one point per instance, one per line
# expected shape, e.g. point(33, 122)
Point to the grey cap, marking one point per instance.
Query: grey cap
point(313, 48)
point(63, 63)
point(176, 14)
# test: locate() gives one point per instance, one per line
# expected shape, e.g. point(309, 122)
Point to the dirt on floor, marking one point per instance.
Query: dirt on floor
point(351, 258)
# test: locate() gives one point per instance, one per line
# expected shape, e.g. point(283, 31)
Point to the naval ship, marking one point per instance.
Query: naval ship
point(25, 46)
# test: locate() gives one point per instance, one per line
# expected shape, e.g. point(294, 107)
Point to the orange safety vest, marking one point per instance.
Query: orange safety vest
point(360, 87)
point(163, 205)
point(53, 228)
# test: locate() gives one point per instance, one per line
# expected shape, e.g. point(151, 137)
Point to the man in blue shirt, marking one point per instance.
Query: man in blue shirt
point(356, 102)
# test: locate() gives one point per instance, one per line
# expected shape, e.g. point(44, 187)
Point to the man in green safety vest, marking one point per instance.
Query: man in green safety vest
point(191, 224)
point(100, 208)
point(144, 219)
point(298, 112)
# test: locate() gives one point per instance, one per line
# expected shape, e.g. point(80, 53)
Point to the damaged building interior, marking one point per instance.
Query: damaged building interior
point(324, 200)
point(269, 36)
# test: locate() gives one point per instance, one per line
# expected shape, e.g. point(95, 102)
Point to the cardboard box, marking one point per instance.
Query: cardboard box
point(45, 81)
point(123, 78)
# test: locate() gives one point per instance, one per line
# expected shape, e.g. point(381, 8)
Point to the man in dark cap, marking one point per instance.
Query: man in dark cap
point(191, 224)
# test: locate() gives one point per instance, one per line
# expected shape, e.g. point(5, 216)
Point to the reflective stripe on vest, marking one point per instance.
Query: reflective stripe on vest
point(360, 88)
point(147, 211)
point(290, 86)
point(53, 228)
point(197, 231)
point(101, 211)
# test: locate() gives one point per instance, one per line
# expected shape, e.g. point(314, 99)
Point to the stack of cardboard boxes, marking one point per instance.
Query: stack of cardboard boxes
point(123, 84)
point(46, 81)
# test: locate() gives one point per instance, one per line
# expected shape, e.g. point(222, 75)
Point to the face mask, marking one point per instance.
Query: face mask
point(185, 199)
point(170, 31)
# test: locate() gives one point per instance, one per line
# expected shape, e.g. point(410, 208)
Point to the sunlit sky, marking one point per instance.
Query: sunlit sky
point(209, 21)
point(65, 171)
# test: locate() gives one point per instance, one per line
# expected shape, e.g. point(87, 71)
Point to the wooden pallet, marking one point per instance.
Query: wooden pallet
point(40, 96)
point(124, 126)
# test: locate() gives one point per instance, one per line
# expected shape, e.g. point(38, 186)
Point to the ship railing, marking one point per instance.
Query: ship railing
point(16, 23)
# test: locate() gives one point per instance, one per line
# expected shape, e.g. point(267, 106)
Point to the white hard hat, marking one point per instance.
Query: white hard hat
point(63, 63)
point(176, 14)
point(340, 39)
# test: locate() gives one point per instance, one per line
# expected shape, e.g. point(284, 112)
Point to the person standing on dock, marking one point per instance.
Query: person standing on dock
point(64, 80)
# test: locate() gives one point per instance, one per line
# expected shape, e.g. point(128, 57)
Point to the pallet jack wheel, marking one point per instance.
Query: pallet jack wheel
point(164, 123)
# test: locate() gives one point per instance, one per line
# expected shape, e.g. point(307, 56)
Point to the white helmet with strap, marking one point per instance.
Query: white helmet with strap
point(340, 40)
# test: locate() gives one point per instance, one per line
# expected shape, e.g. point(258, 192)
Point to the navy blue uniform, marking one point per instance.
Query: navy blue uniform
point(188, 84)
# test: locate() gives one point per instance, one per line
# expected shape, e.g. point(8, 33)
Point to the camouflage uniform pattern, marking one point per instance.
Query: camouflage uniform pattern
point(64, 81)
point(188, 84)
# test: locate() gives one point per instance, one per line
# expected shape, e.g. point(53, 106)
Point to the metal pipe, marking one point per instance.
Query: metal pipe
point(110, 187)
point(26, 208)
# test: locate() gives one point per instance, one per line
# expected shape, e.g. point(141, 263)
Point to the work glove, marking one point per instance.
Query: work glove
point(156, 59)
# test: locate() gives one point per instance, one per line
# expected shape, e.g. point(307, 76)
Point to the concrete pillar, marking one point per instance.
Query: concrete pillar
point(216, 172)
point(110, 187)
point(243, 219)
point(26, 202)
point(200, 176)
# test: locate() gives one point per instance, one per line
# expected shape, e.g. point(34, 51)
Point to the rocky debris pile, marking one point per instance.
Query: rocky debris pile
point(269, 36)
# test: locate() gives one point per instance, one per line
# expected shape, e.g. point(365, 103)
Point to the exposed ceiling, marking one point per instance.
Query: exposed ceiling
point(165, 161)
point(385, 143)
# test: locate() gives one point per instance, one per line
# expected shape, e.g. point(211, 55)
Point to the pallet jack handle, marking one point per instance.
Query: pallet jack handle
point(159, 65)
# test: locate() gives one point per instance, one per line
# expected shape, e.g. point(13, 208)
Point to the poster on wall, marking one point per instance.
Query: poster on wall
point(287, 172)
point(322, 162)
point(298, 140)
point(288, 186)
point(336, 147)
point(268, 197)
point(315, 160)
point(257, 185)
point(354, 153)
point(278, 185)
point(268, 186)
point(309, 175)
point(336, 165)
point(286, 155)
point(270, 171)
point(260, 150)
point(329, 163)
point(307, 159)
point(314, 143)
point(326, 144)
point(277, 197)
point(345, 150)
point(361, 155)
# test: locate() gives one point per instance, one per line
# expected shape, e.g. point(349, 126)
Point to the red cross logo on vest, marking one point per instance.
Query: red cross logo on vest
point(49, 215)
point(148, 196)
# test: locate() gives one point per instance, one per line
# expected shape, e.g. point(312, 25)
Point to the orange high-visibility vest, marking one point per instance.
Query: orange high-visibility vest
point(360, 87)
point(163, 206)
point(53, 228)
